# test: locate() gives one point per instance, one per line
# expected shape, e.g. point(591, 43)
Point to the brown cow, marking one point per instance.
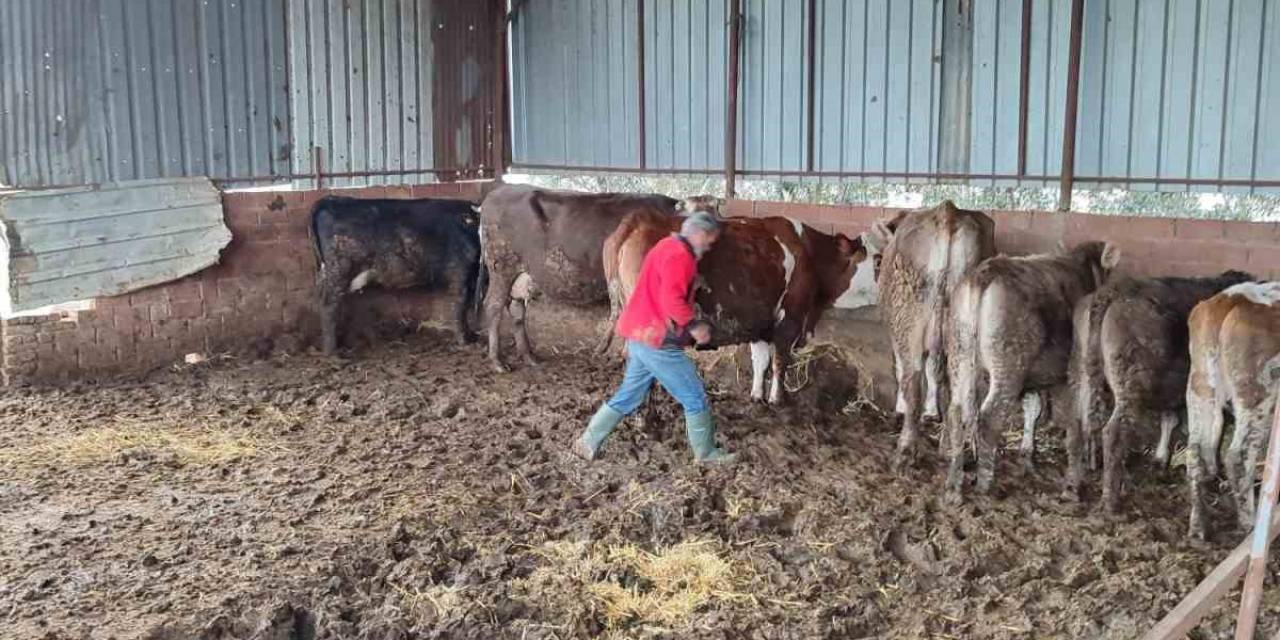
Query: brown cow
point(1235, 365)
point(1133, 355)
point(930, 250)
point(1011, 323)
point(552, 240)
point(766, 282)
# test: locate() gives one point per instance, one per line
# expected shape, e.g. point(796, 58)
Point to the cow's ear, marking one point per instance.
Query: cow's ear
point(1110, 256)
point(878, 238)
point(680, 206)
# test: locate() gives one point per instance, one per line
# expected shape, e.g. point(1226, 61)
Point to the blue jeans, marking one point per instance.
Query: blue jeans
point(670, 367)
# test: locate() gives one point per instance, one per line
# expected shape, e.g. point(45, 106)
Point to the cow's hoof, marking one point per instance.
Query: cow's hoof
point(953, 497)
point(1070, 495)
point(498, 367)
point(468, 338)
point(1028, 466)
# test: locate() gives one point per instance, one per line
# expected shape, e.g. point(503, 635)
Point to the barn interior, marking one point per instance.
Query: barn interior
point(179, 459)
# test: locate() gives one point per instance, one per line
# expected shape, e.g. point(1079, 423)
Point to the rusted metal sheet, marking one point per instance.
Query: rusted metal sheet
point(464, 113)
point(84, 242)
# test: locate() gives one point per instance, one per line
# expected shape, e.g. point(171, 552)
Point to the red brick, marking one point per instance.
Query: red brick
point(1011, 219)
point(770, 208)
point(1264, 258)
point(241, 220)
point(159, 312)
point(184, 290)
point(1199, 229)
point(186, 309)
point(1253, 232)
point(737, 208)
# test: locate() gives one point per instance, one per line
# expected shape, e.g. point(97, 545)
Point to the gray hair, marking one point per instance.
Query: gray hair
point(699, 221)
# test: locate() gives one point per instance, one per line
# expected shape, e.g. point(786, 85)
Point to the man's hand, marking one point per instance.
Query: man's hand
point(701, 332)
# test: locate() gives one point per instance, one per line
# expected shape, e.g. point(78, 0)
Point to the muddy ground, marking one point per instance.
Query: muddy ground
point(409, 492)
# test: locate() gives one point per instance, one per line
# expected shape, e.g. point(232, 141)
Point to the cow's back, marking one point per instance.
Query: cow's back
point(1249, 344)
point(930, 252)
point(557, 236)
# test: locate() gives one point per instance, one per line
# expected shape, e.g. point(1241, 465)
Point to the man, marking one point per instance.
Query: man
point(657, 323)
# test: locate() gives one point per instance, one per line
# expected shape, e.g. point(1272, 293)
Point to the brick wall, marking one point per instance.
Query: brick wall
point(1148, 246)
point(261, 294)
point(262, 291)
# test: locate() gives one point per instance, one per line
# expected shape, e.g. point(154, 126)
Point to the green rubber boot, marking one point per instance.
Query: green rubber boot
point(601, 425)
point(701, 429)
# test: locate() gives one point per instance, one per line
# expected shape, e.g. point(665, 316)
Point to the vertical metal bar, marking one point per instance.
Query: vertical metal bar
point(1024, 87)
point(731, 95)
point(813, 80)
point(640, 79)
point(1251, 597)
point(498, 120)
point(317, 167)
point(1072, 107)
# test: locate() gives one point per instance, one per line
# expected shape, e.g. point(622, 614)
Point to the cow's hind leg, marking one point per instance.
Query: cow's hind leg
point(332, 284)
point(1164, 451)
point(909, 384)
point(933, 365)
point(1115, 436)
point(522, 293)
point(1032, 414)
point(997, 411)
point(496, 302)
point(462, 311)
point(761, 354)
point(1242, 457)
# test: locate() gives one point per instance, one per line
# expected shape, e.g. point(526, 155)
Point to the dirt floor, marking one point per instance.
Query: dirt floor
point(410, 492)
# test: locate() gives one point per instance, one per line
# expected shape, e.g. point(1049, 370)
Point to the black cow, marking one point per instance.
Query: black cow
point(396, 244)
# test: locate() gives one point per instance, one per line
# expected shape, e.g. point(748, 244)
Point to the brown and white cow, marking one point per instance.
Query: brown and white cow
point(767, 282)
point(930, 250)
point(1011, 323)
point(1131, 351)
point(551, 241)
point(1235, 366)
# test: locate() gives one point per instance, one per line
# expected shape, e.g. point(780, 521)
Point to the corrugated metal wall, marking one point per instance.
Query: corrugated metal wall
point(360, 82)
point(574, 91)
point(877, 85)
point(106, 90)
point(1180, 89)
point(95, 91)
point(1170, 88)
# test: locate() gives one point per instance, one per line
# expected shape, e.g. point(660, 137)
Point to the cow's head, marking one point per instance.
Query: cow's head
point(472, 217)
point(710, 204)
point(851, 273)
point(878, 237)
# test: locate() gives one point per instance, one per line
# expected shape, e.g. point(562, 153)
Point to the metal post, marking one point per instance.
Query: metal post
point(813, 80)
point(1024, 87)
point(640, 74)
point(731, 95)
point(1251, 597)
point(317, 166)
point(1072, 107)
point(500, 119)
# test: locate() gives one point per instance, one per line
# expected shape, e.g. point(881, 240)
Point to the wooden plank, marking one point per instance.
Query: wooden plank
point(1251, 594)
point(1184, 617)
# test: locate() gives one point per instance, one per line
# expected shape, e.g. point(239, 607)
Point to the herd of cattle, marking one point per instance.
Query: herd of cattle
point(974, 332)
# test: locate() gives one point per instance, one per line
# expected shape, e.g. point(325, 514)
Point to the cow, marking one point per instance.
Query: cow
point(929, 251)
point(395, 244)
point(766, 282)
point(1133, 358)
point(1011, 323)
point(1235, 366)
point(552, 241)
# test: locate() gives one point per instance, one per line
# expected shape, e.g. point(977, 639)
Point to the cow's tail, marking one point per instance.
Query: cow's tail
point(964, 347)
point(611, 255)
point(1092, 384)
point(482, 279)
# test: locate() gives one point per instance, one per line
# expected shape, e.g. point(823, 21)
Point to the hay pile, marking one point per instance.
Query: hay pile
point(628, 587)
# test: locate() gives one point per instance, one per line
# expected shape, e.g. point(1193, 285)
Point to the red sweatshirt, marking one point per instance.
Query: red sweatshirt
point(660, 308)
